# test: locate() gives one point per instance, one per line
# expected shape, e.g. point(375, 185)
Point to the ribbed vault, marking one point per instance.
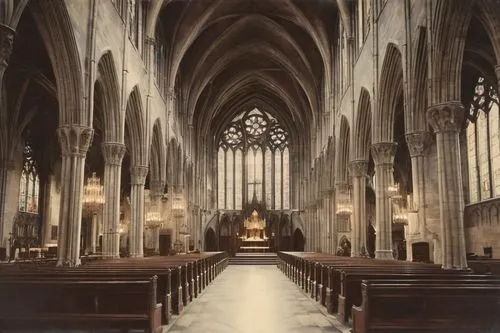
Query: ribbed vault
point(226, 57)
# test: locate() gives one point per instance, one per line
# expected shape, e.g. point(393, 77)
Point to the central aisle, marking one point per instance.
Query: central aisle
point(256, 299)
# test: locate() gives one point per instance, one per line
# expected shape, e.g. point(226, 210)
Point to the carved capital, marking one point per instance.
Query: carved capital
point(358, 168)
point(446, 117)
point(138, 174)
point(416, 142)
point(383, 152)
point(6, 44)
point(113, 152)
point(75, 140)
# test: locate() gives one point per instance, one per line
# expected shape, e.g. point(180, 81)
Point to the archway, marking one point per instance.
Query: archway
point(298, 241)
point(210, 240)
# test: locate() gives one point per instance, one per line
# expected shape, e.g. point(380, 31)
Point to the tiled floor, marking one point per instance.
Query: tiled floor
point(256, 299)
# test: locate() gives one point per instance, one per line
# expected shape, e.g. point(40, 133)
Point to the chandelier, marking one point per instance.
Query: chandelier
point(93, 194)
point(393, 191)
point(400, 214)
point(153, 219)
point(344, 203)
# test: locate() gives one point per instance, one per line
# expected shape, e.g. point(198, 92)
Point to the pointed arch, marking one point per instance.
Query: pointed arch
point(107, 80)
point(135, 134)
point(362, 127)
point(171, 160)
point(391, 90)
point(54, 25)
point(451, 20)
point(416, 117)
point(343, 152)
point(157, 158)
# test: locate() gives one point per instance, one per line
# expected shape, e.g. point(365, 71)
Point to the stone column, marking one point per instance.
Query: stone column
point(113, 153)
point(383, 156)
point(156, 192)
point(358, 169)
point(416, 146)
point(333, 223)
point(74, 141)
point(446, 120)
point(138, 178)
point(6, 45)
point(93, 234)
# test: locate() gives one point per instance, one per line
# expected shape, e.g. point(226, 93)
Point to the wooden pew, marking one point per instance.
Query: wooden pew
point(426, 307)
point(88, 304)
point(350, 293)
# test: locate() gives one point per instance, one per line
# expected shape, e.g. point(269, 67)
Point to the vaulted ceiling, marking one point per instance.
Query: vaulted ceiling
point(229, 56)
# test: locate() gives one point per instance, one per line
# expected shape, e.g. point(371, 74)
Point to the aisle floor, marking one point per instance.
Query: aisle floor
point(257, 299)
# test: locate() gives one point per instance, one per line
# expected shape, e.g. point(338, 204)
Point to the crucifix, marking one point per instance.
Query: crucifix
point(254, 184)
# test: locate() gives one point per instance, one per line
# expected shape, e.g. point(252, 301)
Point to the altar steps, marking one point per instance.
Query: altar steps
point(254, 259)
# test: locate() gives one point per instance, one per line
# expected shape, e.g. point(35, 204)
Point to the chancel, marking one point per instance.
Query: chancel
point(310, 156)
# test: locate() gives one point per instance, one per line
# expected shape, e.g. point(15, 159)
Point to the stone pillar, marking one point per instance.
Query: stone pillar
point(333, 223)
point(446, 120)
point(113, 153)
point(416, 146)
point(138, 178)
point(156, 192)
point(358, 169)
point(383, 156)
point(93, 234)
point(74, 141)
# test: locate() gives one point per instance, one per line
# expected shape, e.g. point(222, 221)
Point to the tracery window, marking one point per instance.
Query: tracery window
point(483, 145)
point(253, 162)
point(29, 184)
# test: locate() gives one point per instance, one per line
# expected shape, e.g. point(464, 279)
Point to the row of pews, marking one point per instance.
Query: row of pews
point(397, 296)
point(131, 293)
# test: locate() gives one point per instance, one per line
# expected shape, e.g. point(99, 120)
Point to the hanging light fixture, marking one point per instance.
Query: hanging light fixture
point(344, 203)
point(93, 194)
point(153, 219)
point(393, 191)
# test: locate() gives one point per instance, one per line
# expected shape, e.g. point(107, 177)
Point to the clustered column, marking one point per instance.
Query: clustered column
point(358, 170)
point(383, 156)
point(138, 179)
point(74, 141)
point(113, 153)
point(446, 120)
point(416, 146)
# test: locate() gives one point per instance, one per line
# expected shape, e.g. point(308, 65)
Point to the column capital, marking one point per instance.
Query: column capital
point(138, 174)
point(416, 142)
point(358, 168)
point(446, 117)
point(74, 139)
point(6, 44)
point(383, 152)
point(113, 152)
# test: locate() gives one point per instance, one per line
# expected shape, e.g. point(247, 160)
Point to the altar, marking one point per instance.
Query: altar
point(254, 238)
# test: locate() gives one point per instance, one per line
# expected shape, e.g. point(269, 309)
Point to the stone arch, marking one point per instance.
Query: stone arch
point(362, 127)
point(107, 83)
point(171, 160)
point(452, 19)
point(157, 158)
point(135, 137)
point(343, 152)
point(54, 25)
point(485, 12)
point(391, 89)
point(210, 240)
point(416, 117)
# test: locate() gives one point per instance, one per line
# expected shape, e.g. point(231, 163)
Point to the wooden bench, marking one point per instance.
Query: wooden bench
point(427, 307)
point(69, 304)
point(350, 293)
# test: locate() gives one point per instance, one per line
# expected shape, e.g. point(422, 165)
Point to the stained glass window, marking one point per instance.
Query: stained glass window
point(483, 143)
point(221, 167)
point(254, 136)
point(277, 179)
point(29, 185)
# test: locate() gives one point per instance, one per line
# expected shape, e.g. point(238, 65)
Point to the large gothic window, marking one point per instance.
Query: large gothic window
point(29, 185)
point(483, 145)
point(253, 162)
